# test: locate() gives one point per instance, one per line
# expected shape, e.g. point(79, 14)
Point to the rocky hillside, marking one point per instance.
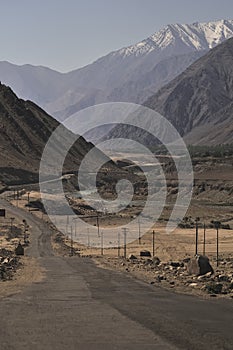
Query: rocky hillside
point(25, 128)
point(199, 102)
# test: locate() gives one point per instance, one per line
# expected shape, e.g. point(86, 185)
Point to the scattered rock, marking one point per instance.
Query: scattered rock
point(175, 264)
point(132, 257)
point(148, 262)
point(8, 264)
point(208, 274)
point(193, 285)
point(223, 278)
point(175, 274)
point(199, 265)
point(156, 260)
point(214, 288)
point(145, 253)
point(19, 250)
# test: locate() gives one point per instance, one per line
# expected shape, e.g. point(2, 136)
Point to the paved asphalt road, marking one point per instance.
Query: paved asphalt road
point(79, 306)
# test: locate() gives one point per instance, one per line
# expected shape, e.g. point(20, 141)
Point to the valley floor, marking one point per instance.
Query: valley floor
point(75, 304)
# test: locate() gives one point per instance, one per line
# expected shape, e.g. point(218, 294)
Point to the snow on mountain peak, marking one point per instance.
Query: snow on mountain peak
point(196, 36)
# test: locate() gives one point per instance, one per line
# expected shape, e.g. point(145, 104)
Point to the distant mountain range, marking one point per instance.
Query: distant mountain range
point(199, 102)
point(131, 74)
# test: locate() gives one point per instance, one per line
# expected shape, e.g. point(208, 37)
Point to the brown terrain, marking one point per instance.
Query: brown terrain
point(212, 201)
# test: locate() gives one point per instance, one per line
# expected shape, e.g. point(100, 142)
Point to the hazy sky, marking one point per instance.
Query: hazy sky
point(67, 34)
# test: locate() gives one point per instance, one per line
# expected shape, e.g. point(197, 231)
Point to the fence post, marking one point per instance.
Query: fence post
point(119, 244)
point(124, 233)
point(102, 243)
point(153, 242)
point(217, 226)
point(196, 239)
point(139, 231)
point(204, 239)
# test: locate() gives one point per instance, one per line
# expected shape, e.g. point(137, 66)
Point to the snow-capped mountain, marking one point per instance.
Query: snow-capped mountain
point(130, 74)
point(199, 102)
point(199, 36)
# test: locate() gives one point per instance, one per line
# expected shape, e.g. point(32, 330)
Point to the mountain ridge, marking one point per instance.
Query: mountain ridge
point(121, 75)
point(199, 102)
point(25, 129)
point(201, 97)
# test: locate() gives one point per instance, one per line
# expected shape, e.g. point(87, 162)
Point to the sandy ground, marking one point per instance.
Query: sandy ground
point(177, 245)
point(168, 247)
point(29, 272)
point(174, 246)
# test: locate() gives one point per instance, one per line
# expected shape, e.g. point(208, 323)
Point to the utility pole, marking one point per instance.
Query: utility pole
point(17, 198)
point(75, 228)
point(119, 244)
point(196, 245)
point(102, 243)
point(139, 230)
point(88, 237)
point(217, 244)
point(124, 229)
point(71, 242)
point(153, 243)
point(98, 225)
point(67, 223)
point(12, 219)
point(204, 239)
point(88, 216)
point(28, 198)
point(217, 226)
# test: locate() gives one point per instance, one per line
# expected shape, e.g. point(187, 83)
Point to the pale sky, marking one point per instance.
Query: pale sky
point(68, 34)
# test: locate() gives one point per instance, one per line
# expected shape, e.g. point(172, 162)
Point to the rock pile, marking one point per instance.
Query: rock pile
point(8, 264)
point(177, 274)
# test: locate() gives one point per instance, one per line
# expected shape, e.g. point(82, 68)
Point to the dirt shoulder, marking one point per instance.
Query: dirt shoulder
point(28, 272)
point(173, 276)
point(169, 273)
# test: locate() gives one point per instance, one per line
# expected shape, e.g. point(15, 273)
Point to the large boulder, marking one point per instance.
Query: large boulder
point(145, 253)
point(156, 260)
point(199, 265)
point(19, 250)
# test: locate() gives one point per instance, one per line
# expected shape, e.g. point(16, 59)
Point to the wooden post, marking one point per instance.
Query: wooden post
point(139, 231)
point(67, 223)
point(124, 233)
point(88, 237)
point(153, 243)
point(98, 225)
point(217, 226)
point(119, 244)
point(102, 243)
point(204, 239)
point(71, 242)
point(196, 239)
point(12, 219)
point(75, 228)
